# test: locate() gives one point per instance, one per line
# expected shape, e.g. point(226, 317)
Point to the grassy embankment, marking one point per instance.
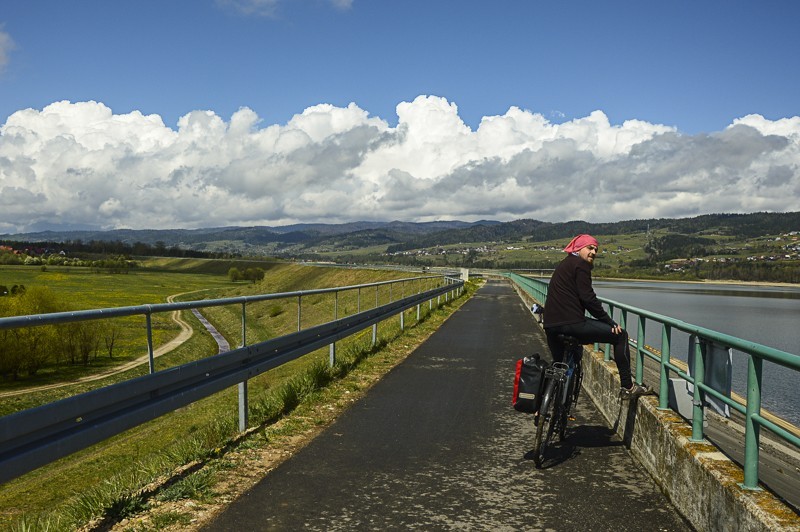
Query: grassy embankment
point(104, 480)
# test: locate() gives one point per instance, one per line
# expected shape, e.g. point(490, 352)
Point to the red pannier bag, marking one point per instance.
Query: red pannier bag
point(529, 384)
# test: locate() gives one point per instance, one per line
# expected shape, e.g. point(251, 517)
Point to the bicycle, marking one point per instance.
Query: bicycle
point(562, 386)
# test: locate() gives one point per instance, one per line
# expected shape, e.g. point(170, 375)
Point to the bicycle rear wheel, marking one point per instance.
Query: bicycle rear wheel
point(572, 392)
point(546, 424)
point(572, 395)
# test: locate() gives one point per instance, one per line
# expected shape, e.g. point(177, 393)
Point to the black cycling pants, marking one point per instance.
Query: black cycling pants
point(589, 332)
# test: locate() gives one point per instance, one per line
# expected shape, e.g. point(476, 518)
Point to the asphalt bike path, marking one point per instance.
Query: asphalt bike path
point(436, 445)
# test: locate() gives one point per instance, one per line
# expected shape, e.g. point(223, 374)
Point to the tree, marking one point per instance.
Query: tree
point(28, 349)
point(235, 274)
point(254, 274)
point(110, 338)
point(88, 339)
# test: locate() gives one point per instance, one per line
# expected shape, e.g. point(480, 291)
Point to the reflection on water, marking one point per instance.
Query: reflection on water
point(766, 292)
point(765, 315)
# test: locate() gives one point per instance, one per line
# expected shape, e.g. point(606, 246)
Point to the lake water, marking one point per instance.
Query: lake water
point(765, 315)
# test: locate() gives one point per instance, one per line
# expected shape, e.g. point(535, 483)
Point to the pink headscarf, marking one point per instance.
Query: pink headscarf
point(580, 242)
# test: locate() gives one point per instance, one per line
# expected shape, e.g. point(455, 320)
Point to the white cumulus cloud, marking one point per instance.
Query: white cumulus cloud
point(269, 8)
point(6, 45)
point(81, 165)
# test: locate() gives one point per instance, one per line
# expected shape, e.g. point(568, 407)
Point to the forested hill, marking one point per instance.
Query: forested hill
point(300, 239)
point(744, 225)
point(238, 238)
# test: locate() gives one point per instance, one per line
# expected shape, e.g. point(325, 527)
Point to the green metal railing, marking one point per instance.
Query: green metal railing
point(757, 354)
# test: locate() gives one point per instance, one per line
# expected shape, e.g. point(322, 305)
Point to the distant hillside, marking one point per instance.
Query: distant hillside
point(239, 239)
point(307, 239)
point(395, 226)
point(745, 225)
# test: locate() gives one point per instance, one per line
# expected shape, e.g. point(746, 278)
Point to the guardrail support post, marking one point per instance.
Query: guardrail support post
point(243, 401)
point(299, 310)
point(751, 427)
point(244, 326)
point(332, 348)
point(150, 344)
point(243, 406)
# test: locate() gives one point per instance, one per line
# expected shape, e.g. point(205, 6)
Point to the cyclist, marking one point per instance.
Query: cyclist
point(569, 296)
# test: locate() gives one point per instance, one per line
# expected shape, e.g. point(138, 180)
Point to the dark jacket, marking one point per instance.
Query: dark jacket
point(570, 294)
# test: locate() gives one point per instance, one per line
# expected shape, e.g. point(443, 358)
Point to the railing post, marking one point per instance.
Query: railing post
point(607, 348)
point(640, 343)
point(243, 406)
point(358, 304)
point(666, 339)
point(752, 429)
point(699, 372)
point(332, 348)
point(299, 310)
point(244, 325)
point(150, 344)
point(243, 393)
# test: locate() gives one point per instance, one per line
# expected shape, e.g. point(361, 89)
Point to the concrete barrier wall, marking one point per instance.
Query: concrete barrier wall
point(702, 483)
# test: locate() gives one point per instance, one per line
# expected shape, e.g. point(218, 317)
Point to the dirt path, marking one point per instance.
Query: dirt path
point(184, 335)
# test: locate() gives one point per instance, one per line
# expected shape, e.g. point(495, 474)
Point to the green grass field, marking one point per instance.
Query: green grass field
point(83, 289)
point(621, 256)
point(75, 488)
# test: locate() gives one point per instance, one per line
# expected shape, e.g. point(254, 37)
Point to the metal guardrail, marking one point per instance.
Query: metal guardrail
point(37, 436)
point(757, 354)
point(148, 310)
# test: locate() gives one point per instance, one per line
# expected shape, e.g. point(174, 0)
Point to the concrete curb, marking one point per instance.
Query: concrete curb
point(701, 482)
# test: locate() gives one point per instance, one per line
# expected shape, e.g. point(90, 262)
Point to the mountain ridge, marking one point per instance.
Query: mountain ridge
point(400, 236)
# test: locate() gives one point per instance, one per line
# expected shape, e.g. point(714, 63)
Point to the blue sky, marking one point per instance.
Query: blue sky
point(692, 67)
